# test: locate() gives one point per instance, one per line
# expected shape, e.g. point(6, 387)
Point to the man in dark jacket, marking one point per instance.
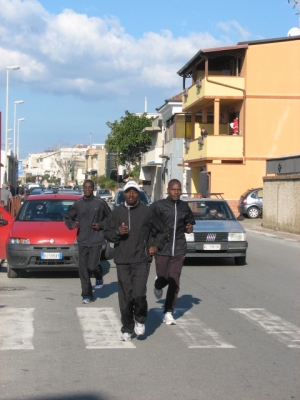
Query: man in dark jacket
point(177, 218)
point(89, 215)
point(129, 227)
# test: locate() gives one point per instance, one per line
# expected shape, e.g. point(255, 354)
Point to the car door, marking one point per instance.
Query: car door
point(260, 195)
point(5, 224)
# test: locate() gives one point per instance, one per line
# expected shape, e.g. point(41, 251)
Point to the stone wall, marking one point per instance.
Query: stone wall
point(281, 203)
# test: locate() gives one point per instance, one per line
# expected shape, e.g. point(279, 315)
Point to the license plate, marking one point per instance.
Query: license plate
point(51, 256)
point(211, 247)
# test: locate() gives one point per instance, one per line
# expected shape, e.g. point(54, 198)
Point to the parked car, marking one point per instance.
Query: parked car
point(217, 232)
point(36, 191)
point(120, 198)
point(39, 239)
point(5, 224)
point(251, 203)
point(104, 194)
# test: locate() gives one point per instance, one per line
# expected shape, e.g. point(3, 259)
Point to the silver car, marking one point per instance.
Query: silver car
point(104, 194)
point(217, 232)
point(251, 203)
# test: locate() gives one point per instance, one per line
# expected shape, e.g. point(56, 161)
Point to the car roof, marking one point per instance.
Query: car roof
point(208, 199)
point(57, 196)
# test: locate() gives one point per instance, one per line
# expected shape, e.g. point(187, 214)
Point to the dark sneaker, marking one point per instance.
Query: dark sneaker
point(99, 283)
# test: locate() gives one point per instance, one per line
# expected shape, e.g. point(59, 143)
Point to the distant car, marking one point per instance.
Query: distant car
point(217, 232)
point(251, 203)
point(120, 198)
point(104, 194)
point(37, 191)
point(39, 239)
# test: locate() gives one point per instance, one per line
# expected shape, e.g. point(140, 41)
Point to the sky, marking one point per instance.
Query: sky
point(85, 62)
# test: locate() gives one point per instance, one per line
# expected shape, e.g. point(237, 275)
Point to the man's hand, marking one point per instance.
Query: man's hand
point(123, 229)
point(96, 226)
point(153, 250)
point(189, 228)
point(75, 225)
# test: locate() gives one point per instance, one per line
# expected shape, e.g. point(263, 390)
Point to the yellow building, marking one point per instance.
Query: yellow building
point(258, 84)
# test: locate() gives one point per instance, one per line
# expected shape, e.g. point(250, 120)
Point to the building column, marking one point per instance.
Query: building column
point(217, 117)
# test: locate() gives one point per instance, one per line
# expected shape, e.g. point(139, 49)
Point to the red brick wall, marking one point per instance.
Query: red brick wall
point(234, 206)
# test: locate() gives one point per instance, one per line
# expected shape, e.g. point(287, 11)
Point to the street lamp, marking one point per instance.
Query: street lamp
point(18, 135)
point(14, 67)
point(15, 120)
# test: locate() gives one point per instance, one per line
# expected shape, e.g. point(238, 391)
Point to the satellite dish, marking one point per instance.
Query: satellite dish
point(294, 32)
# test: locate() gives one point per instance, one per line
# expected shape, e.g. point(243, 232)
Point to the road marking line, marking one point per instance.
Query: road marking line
point(101, 328)
point(16, 328)
point(284, 331)
point(195, 333)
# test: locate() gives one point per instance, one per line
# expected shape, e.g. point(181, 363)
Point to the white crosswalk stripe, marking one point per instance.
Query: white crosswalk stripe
point(101, 328)
point(195, 333)
point(16, 328)
point(284, 331)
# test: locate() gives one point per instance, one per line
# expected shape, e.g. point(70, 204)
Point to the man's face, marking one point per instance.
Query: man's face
point(88, 189)
point(174, 191)
point(213, 211)
point(131, 196)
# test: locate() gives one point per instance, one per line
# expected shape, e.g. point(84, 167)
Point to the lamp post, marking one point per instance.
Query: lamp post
point(14, 67)
point(15, 120)
point(18, 136)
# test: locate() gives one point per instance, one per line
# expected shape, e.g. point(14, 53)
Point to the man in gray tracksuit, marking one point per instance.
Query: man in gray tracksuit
point(89, 215)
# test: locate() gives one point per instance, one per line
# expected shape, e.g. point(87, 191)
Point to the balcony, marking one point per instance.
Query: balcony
point(204, 91)
point(151, 158)
point(221, 147)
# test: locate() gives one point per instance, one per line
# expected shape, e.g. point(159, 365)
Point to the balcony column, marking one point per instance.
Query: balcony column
point(193, 123)
point(217, 117)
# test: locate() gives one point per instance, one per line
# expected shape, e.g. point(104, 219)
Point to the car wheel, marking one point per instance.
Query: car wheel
point(11, 273)
point(240, 260)
point(105, 253)
point(253, 212)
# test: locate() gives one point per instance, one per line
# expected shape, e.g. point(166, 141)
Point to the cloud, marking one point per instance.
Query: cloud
point(233, 27)
point(71, 53)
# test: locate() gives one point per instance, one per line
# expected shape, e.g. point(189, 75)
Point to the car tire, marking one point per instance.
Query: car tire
point(240, 260)
point(11, 273)
point(105, 253)
point(253, 212)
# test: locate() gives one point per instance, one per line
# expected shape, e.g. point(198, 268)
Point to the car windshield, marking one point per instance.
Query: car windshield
point(44, 210)
point(210, 210)
point(142, 198)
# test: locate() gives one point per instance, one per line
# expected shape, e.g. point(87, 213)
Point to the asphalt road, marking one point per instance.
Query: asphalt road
point(237, 334)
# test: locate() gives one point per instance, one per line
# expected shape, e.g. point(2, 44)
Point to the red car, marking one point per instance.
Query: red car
point(39, 239)
point(5, 225)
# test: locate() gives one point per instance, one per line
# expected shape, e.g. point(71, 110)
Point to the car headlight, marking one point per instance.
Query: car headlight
point(237, 237)
point(189, 237)
point(19, 241)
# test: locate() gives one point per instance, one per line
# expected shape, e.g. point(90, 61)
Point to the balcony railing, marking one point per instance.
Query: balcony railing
point(202, 88)
point(215, 147)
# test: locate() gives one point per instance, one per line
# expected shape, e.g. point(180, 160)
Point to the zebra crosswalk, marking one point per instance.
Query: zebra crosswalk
point(100, 328)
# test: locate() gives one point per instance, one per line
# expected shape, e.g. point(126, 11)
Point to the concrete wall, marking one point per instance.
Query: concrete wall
point(281, 205)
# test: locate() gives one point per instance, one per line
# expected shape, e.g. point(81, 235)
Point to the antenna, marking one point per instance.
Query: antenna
point(296, 5)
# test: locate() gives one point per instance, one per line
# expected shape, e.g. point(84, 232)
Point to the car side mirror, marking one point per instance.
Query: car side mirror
point(3, 222)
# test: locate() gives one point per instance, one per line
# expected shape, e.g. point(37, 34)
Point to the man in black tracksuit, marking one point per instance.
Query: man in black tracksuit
point(177, 219)
point(89, 215)
point(129, 227)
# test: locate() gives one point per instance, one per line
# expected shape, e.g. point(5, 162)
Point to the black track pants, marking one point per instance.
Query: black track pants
point(132, 289)
point(89, 263)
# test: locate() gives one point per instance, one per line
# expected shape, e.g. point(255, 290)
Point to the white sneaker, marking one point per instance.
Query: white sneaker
point(168, 319)
point(139, 329)
point(125, 336)
point(158, 293)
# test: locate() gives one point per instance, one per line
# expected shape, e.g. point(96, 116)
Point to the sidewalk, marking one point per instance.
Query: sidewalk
point(256, 225)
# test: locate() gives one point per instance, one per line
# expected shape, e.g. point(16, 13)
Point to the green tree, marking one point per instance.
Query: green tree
point(106, 183)
point(126, 137)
